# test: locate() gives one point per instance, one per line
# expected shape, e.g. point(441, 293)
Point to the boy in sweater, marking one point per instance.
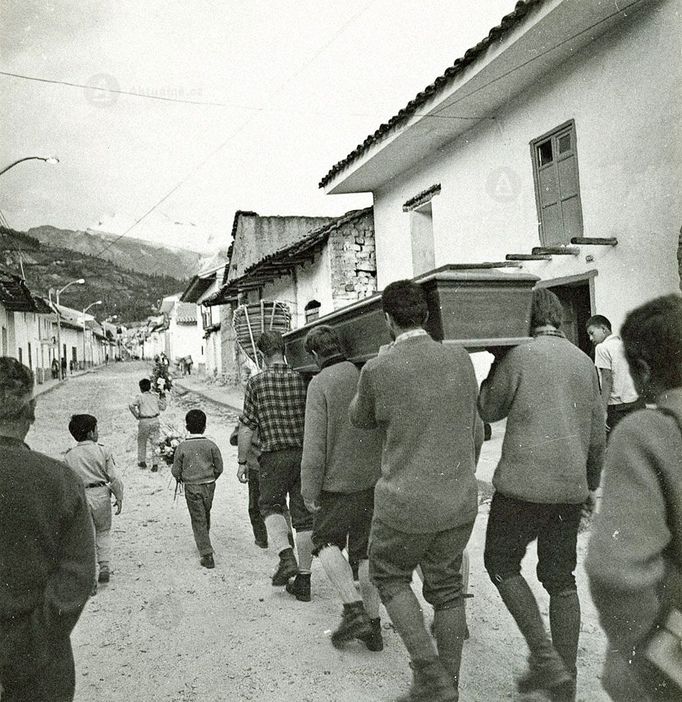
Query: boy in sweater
point(339, 469)
point(198, 464)
point(421, 396)
point(634, 560)
point(550, 466)
point(94, 464)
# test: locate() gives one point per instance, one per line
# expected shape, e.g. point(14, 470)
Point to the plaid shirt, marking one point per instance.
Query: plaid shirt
point(274, 403)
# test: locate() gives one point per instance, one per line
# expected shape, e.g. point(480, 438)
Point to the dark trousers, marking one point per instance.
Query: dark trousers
point(52, 679)
point(199, 502)
point(513, 524)
point(614, 413)
point(260, 533)
point(279, 476)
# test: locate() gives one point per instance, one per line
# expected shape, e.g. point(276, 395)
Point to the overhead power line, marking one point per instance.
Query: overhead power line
point(146, 96)
point(241, 127)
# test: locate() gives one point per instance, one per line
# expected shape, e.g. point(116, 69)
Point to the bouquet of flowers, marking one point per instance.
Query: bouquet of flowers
point(161, 378)
point(169, 442)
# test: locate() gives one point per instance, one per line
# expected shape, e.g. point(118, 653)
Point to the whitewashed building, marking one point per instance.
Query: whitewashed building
point(554, 146)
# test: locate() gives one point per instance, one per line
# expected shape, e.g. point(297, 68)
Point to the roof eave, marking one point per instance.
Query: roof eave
point(478, 92)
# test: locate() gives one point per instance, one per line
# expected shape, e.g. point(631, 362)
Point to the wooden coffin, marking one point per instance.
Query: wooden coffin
point(474, 308)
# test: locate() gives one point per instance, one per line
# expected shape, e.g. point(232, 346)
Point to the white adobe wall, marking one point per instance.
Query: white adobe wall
point(625, 94)
point(313, 283)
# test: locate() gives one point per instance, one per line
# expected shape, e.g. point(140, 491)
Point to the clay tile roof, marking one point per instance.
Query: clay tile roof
point(272, 265)
point(508, 22)
point(186, 313)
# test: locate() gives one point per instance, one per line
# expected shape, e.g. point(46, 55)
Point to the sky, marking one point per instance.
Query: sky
point(275, 93)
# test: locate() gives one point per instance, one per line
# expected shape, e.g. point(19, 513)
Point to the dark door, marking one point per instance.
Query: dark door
point(575, 299)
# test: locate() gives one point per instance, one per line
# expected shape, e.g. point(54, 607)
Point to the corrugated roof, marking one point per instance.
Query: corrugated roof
point(508, 22)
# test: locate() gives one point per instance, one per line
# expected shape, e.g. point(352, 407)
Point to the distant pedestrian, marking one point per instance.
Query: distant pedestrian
point(63, 366)
point(197, 465)
point(635, 554)
point(94, 464)
point(339, 469)
point(421, 395)
point(47, 554)
point(188, 364)
point(618, 393)
point(146, 408)
point(55, 369)
point(550, 467)
point(274, 405)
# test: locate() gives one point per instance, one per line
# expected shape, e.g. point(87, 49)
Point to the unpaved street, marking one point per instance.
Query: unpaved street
point(166, 629)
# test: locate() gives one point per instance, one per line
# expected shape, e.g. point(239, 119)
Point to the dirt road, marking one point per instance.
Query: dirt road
point(165, 629)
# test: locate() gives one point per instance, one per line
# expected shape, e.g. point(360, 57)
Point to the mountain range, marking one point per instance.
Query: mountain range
point(126, 252)
point(128, 288)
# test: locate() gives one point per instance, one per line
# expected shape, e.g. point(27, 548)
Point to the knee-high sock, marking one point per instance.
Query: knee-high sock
point(370, 595)
point(277, 529)
point(449, 627)
point(304, 547)
point(564, 623)
point(339, 573)
point(408, 619)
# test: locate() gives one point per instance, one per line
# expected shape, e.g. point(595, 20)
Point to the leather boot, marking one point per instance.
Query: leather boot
point(546, 668)
point(430, 683)
point(355, 624)
point(449, 628)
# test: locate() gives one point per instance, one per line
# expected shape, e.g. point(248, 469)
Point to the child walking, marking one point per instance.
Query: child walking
point(95, 466)
point(146, 408)
point(198, 464)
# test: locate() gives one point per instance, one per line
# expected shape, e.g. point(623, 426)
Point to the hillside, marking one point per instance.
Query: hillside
point(126, 252)
point(129, 294)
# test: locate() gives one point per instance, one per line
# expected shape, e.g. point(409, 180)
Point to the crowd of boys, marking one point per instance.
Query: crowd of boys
point(380, 463)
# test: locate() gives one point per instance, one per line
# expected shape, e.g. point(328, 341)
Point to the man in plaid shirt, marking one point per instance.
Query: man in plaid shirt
point(274, 404)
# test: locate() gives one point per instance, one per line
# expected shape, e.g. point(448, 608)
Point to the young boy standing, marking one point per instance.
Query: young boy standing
point(198, 464)
point(146, 408)
point(95, 466)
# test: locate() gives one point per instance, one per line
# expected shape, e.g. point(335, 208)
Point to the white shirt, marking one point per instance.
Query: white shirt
point(610, 355)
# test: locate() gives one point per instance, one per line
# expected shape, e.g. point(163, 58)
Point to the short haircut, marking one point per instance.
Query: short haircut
point(598, 320)
point(323, 340)
point(270, 342)
point(545, 309)
point(653, 333)
point(145, 384)
point(81, 425)
point(16, 388)
point(405, 302)
point(195, 421)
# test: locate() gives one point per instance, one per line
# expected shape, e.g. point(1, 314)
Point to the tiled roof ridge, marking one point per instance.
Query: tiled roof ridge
point(422, 197)
point(507, 23)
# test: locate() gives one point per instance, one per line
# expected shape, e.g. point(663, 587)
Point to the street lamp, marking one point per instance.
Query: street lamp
point(47, 159)
point(92, 304)
point(80, 281)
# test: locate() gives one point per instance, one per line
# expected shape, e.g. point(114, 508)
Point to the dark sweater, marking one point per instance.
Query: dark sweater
point(197, 460)
point(337, 457)
point(554, 440)
point(422, 396)
point(637, 535)
point(47, 552)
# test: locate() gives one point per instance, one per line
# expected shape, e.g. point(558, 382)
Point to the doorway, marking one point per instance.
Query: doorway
point(576, 299)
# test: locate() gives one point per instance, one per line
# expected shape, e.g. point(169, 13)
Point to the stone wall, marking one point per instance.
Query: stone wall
point(352, 260)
